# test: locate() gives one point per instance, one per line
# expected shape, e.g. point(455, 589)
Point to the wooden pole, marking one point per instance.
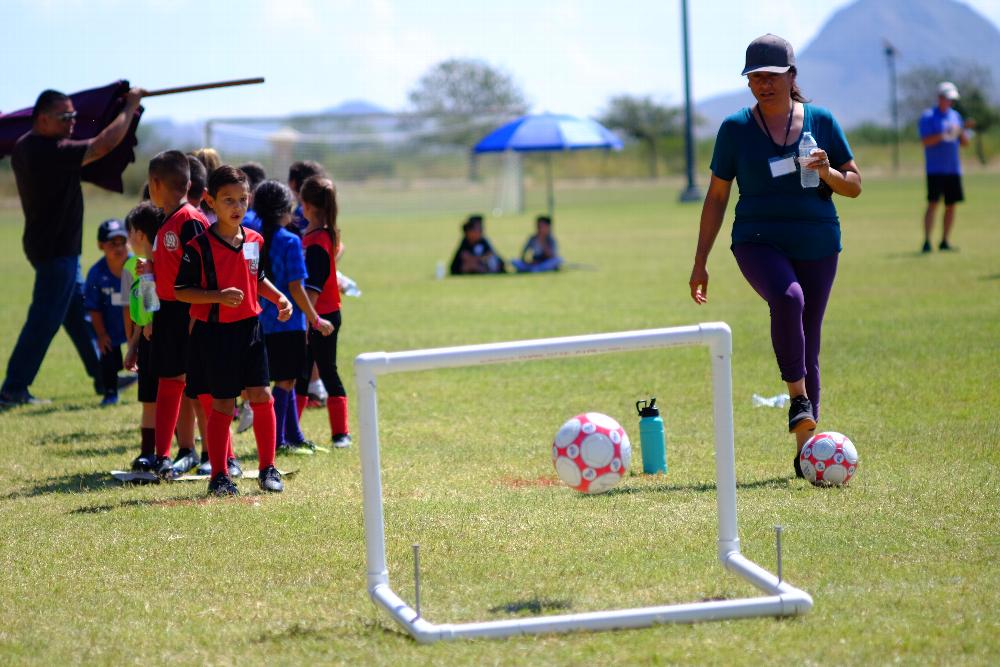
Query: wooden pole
point(204, 86)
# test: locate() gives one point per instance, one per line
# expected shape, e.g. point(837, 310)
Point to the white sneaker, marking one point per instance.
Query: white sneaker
point(317, 391)
point(246, 417)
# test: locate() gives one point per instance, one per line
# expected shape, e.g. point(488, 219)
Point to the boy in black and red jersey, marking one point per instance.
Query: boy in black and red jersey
point(169, 180)
point(220, 275)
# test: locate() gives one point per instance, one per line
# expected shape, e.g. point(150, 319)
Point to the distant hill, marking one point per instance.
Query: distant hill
point(354, 108)
point(844, 68)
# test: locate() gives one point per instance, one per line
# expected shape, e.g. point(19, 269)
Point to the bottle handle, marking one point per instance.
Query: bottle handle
point(638, 409)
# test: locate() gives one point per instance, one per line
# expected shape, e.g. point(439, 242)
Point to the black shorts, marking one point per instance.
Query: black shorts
point(147, 378)
point(226, 357)
point(171, 324)
point(948, 186)
point(286, 354)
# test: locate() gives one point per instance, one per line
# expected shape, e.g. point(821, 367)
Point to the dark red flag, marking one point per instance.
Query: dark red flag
point(95, 108)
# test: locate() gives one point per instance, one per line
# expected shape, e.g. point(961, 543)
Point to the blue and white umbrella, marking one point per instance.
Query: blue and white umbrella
point(547, 133)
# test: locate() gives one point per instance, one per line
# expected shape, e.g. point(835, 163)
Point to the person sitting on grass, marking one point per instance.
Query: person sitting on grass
point(221, 277)
point(102, 297)
point(542, 247)
point(475, 254)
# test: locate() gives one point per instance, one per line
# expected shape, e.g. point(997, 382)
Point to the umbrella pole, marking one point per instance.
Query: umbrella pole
point(548, 178)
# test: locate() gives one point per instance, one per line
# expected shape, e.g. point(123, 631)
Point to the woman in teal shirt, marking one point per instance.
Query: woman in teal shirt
point(785, 238)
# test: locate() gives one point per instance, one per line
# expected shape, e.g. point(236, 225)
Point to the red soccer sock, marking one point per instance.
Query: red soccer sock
point(169, 393)
point(300, 404)
point(264, 430)
point(218, 436)
point(336, 408)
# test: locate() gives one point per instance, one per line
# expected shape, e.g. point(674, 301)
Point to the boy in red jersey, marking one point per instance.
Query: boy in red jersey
point(220, 276)
point(169, 180)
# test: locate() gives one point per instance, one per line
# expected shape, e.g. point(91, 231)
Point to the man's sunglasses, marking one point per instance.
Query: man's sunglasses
point(67, 116)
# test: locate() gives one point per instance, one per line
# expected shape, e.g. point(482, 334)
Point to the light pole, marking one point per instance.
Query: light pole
point(691, 193)
point(890, 56)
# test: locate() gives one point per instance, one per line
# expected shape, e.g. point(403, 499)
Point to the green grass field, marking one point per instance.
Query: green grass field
point(902, 564)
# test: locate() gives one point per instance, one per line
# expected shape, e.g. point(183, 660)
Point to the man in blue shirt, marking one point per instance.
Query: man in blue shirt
point(942, 132)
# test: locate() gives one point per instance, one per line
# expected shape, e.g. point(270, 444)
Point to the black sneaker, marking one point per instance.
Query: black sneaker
point(10, 399)
point(142, 463)
point(800, 415)
point(927, 247)
point(342, 440)
point(164, 468)
point(185, 461)
point(797, 464)
point(233, 466)
point(946, 247)
point(222, 485)
point(205, 467)
point(270, 480)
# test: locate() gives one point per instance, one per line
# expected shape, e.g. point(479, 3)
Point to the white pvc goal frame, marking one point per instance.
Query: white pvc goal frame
point(781, 598)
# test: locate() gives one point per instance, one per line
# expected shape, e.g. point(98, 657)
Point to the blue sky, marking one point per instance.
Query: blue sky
point(567, 55)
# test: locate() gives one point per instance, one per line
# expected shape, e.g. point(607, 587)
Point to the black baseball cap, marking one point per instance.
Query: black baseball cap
point(769, 53)
point(110, 229)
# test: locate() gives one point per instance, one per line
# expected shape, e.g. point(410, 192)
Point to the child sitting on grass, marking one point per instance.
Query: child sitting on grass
point(544, 253)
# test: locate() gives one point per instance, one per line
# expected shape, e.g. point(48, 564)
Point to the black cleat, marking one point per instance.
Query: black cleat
point(797, 464)
point(164, 468)
point(927, 247)
point(342, 440)
point(142, 463)
point(234, 469)
point(270, 480)
point(800, 415)
point(222, 485)
point(944, 246)
point(185, 461)
point(127, 380)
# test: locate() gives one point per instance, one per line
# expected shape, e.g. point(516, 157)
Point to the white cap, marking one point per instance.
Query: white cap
point(947, 90)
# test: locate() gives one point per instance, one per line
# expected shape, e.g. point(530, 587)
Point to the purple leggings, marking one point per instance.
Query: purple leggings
point(796, 292)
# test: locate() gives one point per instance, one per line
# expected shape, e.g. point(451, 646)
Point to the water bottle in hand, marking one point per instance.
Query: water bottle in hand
point(810, 177)
point(147, 292)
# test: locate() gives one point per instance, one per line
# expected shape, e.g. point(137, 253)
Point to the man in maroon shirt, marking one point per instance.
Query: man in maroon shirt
point(47, 166)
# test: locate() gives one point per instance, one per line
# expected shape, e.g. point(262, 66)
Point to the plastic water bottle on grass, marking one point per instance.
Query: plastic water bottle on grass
point(810, 178)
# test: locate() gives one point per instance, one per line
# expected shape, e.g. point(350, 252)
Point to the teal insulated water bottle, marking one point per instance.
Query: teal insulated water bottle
point(652, 437)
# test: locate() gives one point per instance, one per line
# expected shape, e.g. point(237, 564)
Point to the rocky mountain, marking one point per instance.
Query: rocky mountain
point(844, 67)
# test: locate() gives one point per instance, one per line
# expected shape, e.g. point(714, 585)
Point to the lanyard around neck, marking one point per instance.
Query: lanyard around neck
point(788, 128)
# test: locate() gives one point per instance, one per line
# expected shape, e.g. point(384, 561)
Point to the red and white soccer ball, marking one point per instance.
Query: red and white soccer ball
point(591, 452)
point(829, 459)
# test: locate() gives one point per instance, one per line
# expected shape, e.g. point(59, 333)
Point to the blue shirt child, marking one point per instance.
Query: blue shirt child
point(102, 292)
point(288, 264)
point(779, 212)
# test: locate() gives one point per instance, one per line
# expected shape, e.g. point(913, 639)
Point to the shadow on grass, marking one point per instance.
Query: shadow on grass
point(995, 276)
point(915, 254)
point(73, 483)
point(77, 436)
point(198, 499)
point(52, 408)
point(97, 451)
point(534, 605)
point(773, 483)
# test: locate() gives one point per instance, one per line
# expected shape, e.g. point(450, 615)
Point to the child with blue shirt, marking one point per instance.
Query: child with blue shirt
point(102, 297)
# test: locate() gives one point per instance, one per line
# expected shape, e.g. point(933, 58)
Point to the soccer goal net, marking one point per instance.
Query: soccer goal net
point(779, 599)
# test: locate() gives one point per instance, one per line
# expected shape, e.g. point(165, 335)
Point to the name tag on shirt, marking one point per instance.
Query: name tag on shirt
point(781, 166)
point(251, 250)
